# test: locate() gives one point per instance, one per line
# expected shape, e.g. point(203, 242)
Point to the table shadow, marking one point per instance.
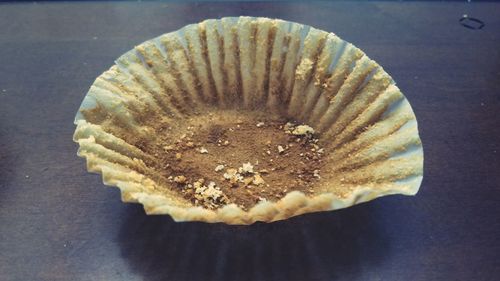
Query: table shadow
point(7, 162)
point(321, 246)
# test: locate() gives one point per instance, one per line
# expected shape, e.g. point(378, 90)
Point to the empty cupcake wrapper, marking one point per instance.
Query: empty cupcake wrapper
point(262, 64)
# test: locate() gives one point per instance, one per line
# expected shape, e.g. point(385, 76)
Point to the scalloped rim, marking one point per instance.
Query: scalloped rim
point(293, 204)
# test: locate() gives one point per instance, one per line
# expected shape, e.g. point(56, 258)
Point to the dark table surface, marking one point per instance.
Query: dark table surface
point(58, 222)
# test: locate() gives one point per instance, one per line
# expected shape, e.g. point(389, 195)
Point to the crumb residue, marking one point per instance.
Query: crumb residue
point(219, 161)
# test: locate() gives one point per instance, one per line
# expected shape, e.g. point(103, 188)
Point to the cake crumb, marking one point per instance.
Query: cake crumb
point(258, 180)
point(280, 149)
point(203, 150)
point(247, 168)
point(230, 173)
point(219, 168)
point(168, 147)
point(198, 183)
point(302, 130)
point(289, 126)
point(180, 179)
point(210, 195)
point(247, 181)
point(178, 156)
point(260, 124)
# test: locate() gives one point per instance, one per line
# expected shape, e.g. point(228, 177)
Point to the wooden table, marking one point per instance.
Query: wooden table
point(58, 222)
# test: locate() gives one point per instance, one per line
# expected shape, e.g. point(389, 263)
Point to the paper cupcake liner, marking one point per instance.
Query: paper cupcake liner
point(253, 63)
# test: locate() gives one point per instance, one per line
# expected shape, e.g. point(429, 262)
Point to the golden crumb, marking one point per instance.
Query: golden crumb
point(180, 179)
point(258, 180)
point(302, 130)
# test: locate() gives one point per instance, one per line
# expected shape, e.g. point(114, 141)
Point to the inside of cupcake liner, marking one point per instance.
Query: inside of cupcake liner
point(301, 73)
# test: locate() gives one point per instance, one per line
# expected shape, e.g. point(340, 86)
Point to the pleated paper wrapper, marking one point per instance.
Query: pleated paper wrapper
point(261, 64)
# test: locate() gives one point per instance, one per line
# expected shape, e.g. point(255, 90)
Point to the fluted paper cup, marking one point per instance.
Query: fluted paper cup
point(245, 64)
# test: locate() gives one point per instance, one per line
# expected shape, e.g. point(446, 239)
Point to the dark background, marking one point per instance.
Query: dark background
point(58, 222)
